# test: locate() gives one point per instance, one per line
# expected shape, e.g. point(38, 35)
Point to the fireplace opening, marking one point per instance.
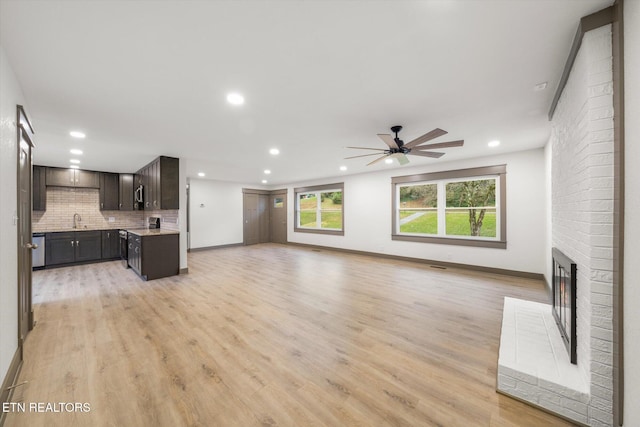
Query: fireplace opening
point(564, 300)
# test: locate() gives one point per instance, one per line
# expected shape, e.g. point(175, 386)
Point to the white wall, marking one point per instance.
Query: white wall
point(632, 212)
point(367, 210)
point(215, 210)
point(10, 95)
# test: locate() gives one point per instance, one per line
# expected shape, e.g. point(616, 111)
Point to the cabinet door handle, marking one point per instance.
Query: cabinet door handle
point(120, 205)
point(101, 205)
point(72, 243)
point(77, 243)
point(108, 236)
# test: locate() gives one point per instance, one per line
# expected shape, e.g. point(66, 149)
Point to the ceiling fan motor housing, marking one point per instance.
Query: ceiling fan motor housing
point(396, 129)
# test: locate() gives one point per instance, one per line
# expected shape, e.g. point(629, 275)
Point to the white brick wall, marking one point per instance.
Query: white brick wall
point(582, 209)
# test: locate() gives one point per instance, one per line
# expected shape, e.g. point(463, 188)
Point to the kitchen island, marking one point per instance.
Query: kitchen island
point(154, 253)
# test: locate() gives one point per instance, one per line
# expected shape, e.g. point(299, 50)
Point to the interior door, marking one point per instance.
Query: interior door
point(278, 208)
point(263, 218)
point(25, 246)
point(251, 228)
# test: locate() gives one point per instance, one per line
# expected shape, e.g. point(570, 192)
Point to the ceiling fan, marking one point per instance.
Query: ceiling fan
point(399, 150)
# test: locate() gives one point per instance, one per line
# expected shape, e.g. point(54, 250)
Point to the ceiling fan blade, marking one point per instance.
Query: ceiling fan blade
point(402, 158)
point(458, 143)
point(388, 139)
point(362, 155)
point(378, 159)
point(426, 137)
point(366, 148)
point(432, 154)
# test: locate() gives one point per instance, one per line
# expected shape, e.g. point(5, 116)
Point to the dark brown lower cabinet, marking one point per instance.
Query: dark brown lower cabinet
point(60, 248)
point(110, 244)
point(72, 246)
point(156, 256)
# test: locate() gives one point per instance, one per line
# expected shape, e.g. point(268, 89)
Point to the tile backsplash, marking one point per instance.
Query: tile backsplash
point(63, 203)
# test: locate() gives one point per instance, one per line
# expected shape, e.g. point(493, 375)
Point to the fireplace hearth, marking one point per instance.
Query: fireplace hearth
point(564, 300)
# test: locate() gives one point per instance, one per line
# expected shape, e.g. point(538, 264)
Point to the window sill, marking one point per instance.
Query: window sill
point(494, 244)
point(319, 231)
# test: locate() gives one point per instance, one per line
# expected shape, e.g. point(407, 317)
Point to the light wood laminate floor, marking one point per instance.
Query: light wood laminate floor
point(272, 335)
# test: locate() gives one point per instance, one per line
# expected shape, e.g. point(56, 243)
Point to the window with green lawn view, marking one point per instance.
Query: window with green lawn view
point(455, 205)
point(319, 209)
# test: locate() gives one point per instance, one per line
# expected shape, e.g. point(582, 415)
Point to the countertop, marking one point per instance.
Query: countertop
point(143, 232)
point(136, 231)
point(65, 230)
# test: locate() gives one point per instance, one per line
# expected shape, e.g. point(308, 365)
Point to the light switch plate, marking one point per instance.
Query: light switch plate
point(112, 219)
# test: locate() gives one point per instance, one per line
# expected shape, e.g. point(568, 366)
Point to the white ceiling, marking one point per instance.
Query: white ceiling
point(145, 78)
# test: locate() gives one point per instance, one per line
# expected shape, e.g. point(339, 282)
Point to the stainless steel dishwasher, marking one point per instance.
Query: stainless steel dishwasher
point(38, 253)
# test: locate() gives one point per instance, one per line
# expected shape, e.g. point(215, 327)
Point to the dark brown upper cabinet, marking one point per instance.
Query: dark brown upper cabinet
point(109, 191)
point(78, 178)
point(39, 189)
point(160, 180)
point(126, 182)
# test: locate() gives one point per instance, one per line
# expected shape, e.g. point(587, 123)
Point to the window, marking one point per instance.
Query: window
point(319, 209)
point(462, 207)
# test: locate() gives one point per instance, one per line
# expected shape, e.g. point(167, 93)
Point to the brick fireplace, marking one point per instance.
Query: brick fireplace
point(581, 162)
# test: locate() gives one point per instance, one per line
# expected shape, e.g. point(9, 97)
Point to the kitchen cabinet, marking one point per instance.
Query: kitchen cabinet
point(133, 254)
point(73, 246)
point(125, 193)
point(88, 245)
point(110, 244)
point(160, 180)
point(156, 256)
point(39, 189)
point(60, 248)
point(109, 191)
point(78, 178)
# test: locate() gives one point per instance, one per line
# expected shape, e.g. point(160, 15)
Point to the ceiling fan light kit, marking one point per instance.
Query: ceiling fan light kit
point(399, 150)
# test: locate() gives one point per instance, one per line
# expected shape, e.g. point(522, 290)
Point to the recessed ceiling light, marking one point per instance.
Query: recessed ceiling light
point(200, 173)
point(75, 151)
point(74, 166)
point(343, 168)
point(264, 181)
point(493, 143)
point(235, 99)
point(267, 171)
point(540, 86)
point(274, 151)
point(77, 134)
point(76, 161)
point(388, 161)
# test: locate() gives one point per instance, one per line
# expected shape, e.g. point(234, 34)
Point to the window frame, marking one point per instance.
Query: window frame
point(498, 171)
point(317, 189)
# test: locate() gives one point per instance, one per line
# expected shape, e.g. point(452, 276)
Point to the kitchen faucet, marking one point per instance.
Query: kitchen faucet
point(76, 220)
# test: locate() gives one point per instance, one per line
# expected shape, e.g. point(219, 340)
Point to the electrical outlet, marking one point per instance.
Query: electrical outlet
point(112, 219)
